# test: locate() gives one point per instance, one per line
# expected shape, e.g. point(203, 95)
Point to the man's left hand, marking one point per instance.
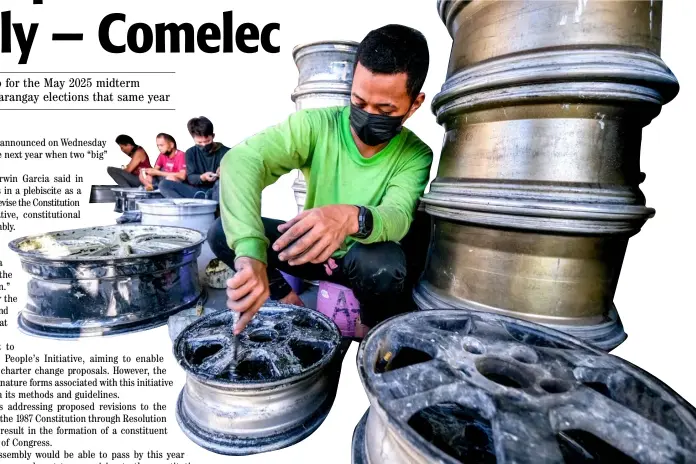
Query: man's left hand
point(314, 235)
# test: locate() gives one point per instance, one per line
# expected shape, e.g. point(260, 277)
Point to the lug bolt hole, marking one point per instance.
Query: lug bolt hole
point(555, 386)
point(524, 355)
point(263, 336)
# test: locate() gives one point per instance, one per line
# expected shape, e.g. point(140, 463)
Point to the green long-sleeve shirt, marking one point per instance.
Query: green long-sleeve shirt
point(320, 143)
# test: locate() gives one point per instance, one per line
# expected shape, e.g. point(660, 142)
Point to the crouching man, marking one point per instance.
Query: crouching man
point(365, 174)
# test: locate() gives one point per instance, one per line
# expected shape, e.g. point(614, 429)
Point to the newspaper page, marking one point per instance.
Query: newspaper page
point(142, 142)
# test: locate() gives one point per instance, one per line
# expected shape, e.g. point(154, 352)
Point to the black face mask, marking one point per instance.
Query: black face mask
point(208, 148)
point(374, 129)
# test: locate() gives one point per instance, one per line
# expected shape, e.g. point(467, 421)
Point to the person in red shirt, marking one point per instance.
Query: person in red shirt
point(129, 176)
point(170, 164)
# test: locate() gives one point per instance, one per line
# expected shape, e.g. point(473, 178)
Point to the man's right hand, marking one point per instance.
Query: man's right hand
point(208, 177)
point(248, 290)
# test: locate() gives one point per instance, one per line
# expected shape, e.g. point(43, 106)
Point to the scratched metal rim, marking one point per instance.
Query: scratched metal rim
point(469, 386)
point(107, 280)
point(326, 73)
point(28, 327)
point(127, 198)
point(96, 240)
point(551, 208)
point(102, 194)
point(321, 84)
point(299, 51)
point(448, 9)
point(232, 409)
point(177, 207)
point(589, 75)
point(605, 334)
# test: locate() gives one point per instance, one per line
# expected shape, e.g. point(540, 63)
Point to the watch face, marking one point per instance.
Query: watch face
point(364, 223)
point(361, 223)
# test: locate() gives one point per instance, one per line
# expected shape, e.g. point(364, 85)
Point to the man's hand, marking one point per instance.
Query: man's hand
point(248, 290)
point(208, 177)
point(314, 235)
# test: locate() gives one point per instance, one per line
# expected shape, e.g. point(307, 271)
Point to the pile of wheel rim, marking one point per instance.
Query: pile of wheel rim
point(537, 192)
point(326, 76)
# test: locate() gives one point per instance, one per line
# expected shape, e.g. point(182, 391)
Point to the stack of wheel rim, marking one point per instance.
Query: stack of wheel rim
point(448, 386)
point(326, 75)
point(537, 192)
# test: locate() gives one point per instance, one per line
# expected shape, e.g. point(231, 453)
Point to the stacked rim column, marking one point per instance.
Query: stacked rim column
point(537, 191)
point(326, 76)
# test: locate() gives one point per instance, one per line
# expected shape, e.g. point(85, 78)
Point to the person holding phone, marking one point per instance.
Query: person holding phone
point(202, 164)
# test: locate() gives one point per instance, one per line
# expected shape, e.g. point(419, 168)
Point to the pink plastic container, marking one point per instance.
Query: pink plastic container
point(339, 303)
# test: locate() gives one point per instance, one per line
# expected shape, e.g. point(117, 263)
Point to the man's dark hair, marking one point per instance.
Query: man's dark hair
point(166, 137)
point(201, 127)
point(125, 140)
point(395, 49)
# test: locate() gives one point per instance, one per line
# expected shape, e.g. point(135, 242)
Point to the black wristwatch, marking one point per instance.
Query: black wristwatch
point(364, 223)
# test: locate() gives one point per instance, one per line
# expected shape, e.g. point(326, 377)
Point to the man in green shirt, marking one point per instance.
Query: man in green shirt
point(365, 174)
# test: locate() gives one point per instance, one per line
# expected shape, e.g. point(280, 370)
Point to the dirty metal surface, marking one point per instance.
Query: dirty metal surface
point(606, 333)
point(102, 194)
point(326, 73)
point(107, 280)
point(452, 386)
point(538, 186)
point(275, 393)
point(325, 79)
point(186, 210)
point(127, 198)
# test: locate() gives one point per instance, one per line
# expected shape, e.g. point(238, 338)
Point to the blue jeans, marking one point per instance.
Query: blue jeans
point(173, 189)
point(124, 178)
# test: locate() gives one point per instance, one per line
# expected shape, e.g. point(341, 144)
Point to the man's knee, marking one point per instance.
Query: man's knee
point(217, 240)
point(167, 188)
point(379, 268)
point(215, 194)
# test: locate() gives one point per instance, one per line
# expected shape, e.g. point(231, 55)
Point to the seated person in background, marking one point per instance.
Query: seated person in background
point(365, 174)
point(129, 176)
point(202, 164)
point(170, 164)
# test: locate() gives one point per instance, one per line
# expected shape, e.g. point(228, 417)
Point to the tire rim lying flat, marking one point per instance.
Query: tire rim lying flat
point(127, 198)
point(276, 394)
point(462, 386)
point(107, 280)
